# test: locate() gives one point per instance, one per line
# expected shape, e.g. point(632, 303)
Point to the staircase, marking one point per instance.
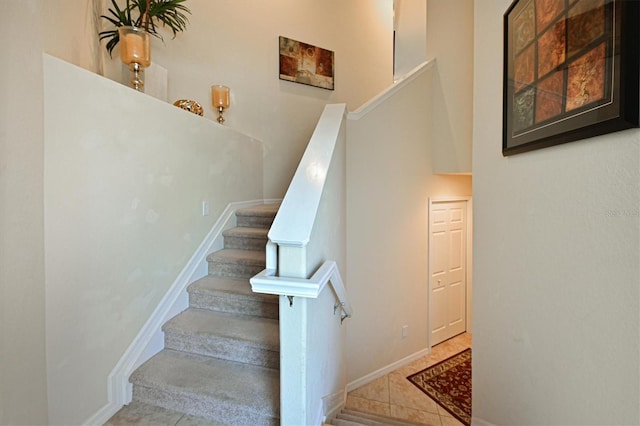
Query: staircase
point(358, 418)
point(221, 356)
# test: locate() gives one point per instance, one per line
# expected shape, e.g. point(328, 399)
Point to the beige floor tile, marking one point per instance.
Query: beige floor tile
point(400, 398)
point(367, 405)
point(378, 390)
point(415, 416)
point(405, 394)
point(443, 412)
point(450, 421)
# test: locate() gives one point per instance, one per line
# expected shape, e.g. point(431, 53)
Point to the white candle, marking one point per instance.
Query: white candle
point(220, 96)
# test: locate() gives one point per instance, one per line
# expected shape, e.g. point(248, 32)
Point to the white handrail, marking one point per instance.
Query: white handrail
point(294, 222)
point(328, 273)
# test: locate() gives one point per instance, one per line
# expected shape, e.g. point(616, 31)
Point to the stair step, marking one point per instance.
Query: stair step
point(139, 413)
point(244, 238)
point(257, 217)
point(236, 263)
point(341, 422)
point(224, 391)
point(231, 295)
point(239, 338)
point(369, 419)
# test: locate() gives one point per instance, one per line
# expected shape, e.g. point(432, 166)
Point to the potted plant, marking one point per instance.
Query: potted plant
point(145, 14)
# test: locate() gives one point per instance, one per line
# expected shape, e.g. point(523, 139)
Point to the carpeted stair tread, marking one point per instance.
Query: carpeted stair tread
point(245, 257)
point(203, 386)
point(264, 210)
point(237, 287)
point(369, 419)
point(239, 338)
point(236, 263)
point(246, 232)
point(257, 217)
point(245, 238)
point(233, 295)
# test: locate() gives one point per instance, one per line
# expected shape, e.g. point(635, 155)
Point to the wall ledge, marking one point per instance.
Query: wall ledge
point(390, 91)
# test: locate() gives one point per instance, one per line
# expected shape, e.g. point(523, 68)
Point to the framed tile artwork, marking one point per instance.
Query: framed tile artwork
point(570, 71)
point(306, 64)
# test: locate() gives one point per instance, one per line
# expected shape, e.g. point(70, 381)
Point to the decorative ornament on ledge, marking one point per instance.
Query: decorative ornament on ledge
point(220, 98)
point(189, 105)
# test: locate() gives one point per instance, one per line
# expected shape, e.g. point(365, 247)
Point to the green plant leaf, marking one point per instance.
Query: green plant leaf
point(171, 14)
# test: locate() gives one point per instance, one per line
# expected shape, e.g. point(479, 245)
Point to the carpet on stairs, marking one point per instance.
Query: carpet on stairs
point(221, 356)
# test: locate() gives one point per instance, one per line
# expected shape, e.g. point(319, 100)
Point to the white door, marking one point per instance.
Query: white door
point(447, 270)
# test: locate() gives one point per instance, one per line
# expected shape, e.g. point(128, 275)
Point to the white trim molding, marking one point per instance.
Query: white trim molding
point(390, 91)
point(386, 370)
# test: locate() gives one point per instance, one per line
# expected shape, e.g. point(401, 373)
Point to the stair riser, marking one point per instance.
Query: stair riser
point(340, 422)
point(224, 303)
point(222, 348)
point(218, 411)
point(244, 243)
point(234, 270)
point(254, 221)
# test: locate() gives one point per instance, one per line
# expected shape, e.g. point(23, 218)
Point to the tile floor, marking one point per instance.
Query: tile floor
point(392, 395)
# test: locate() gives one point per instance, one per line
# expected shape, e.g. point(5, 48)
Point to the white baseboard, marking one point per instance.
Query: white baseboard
point(332, 404)
point(386, 370)
point(150, 339)
point(102, 415)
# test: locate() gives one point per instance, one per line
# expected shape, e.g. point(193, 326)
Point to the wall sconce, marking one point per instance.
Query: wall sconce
point(135, 51)
point(220, 95)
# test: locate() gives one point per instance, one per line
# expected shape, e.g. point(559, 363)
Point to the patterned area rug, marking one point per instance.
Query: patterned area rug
point(449, 384)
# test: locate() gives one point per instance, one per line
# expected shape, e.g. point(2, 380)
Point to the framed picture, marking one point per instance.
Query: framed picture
point(306, 64)
point(570, 71)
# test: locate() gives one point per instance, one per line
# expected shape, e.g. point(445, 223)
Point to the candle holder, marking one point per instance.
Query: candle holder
point(135, 51)
point(220, 98)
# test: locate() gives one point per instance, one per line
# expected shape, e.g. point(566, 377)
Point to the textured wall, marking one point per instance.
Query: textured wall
point(236, 43)
point(450, 42)
point(389, 182)
point(23, 393)
point(125, 177)
point(556, 269)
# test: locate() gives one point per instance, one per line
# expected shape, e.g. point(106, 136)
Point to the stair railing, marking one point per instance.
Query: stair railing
point(307, 246)
point(266, 282)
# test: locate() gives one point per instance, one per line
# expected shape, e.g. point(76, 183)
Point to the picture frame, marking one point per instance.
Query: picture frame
point(305, 63)
point(570, 71)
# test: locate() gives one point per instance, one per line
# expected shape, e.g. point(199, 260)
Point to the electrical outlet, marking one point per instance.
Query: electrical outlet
point(205, 208)
point(405, 331)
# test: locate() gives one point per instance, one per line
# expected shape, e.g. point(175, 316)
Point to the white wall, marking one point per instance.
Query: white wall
point(410, 24)
point(556, 269)
point(389, 182)
point(71, 32)
point(125, 177)
point(236, 43)
point(450, 41)
point(23, 392)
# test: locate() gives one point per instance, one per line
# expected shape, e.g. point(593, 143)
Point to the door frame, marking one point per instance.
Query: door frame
point(468, 261)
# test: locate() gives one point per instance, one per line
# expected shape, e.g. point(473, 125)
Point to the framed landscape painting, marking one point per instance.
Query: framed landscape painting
point(570, 71)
